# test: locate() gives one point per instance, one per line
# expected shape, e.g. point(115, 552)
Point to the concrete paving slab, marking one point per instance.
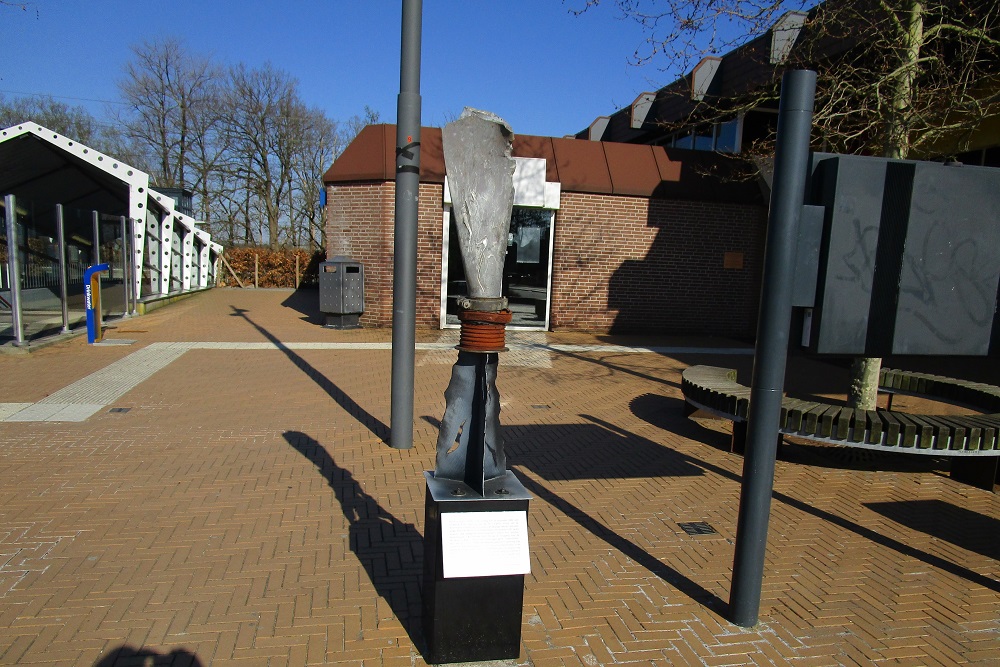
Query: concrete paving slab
point(8, 409)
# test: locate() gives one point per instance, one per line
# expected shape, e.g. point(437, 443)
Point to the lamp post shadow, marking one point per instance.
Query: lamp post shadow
point(370, 421)
point(390, 550)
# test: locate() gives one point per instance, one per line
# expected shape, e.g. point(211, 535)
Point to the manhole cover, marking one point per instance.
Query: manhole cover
point(697, 528)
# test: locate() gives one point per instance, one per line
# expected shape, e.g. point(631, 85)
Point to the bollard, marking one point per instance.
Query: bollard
point(92, 299)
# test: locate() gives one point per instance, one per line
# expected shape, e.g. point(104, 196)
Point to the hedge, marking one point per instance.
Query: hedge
point(274, 268)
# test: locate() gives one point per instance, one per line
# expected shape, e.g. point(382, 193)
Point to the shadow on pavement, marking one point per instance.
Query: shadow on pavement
point(963, 528)
point(367, 419)
point(686, 586)
point(390, 550)
point(305, 301)
point(674, 421)
point(596, 451)
point(127, 656)
point(590, 451)
point(611, 366)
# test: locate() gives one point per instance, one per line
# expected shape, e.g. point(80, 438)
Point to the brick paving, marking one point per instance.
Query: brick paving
point(240, 507)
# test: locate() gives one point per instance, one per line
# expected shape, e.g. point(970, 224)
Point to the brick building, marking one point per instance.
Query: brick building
point(604, 237)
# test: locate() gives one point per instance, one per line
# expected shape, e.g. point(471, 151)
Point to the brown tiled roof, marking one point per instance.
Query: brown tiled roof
point(579, 165)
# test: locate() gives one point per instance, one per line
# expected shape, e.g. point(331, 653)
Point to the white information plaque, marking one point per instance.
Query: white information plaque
point(484, 544)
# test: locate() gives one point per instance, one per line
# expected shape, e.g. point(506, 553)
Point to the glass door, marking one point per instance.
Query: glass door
point(527, 275)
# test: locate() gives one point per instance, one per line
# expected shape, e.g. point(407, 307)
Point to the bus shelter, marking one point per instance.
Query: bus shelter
point(65, 207)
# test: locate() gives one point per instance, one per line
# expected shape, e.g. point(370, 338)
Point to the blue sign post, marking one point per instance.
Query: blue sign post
point(92, 297)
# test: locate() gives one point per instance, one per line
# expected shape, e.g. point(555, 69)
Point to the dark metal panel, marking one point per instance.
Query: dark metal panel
point(951, 262)
point(851, 191)
point(807, 256)
point(893, 227)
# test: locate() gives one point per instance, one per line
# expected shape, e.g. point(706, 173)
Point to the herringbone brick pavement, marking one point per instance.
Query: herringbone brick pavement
point(245, 510)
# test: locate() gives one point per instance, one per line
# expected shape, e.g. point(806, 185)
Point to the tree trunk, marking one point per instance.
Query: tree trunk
point(864, 383)
point(865, 370)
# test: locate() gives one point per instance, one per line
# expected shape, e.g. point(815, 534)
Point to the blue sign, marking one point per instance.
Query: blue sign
point(92, 297)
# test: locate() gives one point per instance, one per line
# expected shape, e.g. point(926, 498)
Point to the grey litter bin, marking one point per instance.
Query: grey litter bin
point(341, 292)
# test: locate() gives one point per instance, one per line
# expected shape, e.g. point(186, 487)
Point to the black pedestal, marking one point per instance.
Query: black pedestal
point(472, 618)
point(343, 321)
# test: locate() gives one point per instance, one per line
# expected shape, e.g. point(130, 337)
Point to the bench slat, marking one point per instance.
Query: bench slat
point(842, 424)
point(796, 414)
point(825, 426)
point(717, 389)
point(873, 427)
point(919, 434)
point(941, 431)
point(787, 405)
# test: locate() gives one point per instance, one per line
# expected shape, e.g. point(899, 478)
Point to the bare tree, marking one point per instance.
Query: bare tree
point(261, 133)
point(242, 140)
point(321, 143)
point(356, 123)
point(170, 92)
point(896, 78)
point(71, 121)
point(206, 157)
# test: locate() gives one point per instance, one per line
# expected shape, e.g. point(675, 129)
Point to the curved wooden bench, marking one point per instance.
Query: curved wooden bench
point(715, 390)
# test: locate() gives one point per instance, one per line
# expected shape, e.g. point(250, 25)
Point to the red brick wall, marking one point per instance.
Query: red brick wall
point(630, 264)
point(360, 224)
point(621, 264)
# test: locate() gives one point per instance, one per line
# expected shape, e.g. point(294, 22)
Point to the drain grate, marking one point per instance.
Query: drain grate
point(697, 528)
point(119, 409)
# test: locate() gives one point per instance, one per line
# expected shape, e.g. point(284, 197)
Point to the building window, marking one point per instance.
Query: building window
point(727, 136)
point(722, 137)
point(527, 273)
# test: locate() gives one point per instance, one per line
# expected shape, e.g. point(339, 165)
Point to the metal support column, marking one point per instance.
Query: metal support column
point(14, 269)
point(125, 267)
point(404, 280)
point(798, 90)
point(134, 265)
point(63, 281)
point(96, 254)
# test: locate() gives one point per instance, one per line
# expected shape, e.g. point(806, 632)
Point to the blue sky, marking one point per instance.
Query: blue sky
point(544, 70)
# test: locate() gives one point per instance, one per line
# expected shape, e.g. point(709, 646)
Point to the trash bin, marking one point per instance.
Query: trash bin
point(341, 292)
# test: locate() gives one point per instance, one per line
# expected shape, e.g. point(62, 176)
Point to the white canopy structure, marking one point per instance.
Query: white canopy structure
point(105, 206)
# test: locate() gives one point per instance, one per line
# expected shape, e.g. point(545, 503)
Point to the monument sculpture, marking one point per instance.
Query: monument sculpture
point(477, 154)
point(475, 520)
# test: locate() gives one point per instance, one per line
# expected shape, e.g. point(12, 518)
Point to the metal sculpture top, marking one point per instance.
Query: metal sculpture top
point(477, 152)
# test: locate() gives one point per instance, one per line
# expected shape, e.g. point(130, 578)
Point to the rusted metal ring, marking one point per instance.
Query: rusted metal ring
point(501, 317)
point(483, 331)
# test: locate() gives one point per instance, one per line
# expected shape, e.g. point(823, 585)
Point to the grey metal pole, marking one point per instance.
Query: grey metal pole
point(14, 268)
point(135, 268)
point(97, 237)
point(125, 271)
point(798, 89)
point(404, 280)
point(63, 284)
